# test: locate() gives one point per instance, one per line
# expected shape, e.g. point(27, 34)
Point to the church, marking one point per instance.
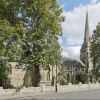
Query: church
point(70, 68)
point(85, 49)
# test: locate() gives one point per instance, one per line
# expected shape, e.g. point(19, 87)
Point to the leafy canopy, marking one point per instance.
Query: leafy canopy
point(29, 31)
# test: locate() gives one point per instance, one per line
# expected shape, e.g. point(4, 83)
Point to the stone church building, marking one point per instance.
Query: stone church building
point(85, 49)
point(70, 68)
point(19, 75)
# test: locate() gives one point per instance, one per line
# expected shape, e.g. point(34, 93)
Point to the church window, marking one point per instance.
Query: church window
point(48, 76)
point(68, 68)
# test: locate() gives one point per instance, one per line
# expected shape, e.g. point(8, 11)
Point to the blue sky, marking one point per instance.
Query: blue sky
point(70, 4)
point(73, 27)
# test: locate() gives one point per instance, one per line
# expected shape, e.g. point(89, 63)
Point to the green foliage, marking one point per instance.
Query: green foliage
point(3, 73)
point(6, 31)
point(9, 86)
point(97, 71)
point(95, 48)
point(2, 69)
point(41, 38)
point(81, 77)
point(62, 80)
point(29, 31)
point(29, 82)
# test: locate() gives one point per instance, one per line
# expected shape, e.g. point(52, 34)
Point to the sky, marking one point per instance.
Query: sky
point(73, 27)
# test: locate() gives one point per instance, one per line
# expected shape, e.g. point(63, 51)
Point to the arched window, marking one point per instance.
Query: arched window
point(48, 76)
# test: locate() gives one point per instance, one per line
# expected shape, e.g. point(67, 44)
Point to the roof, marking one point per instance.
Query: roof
point(74, 63)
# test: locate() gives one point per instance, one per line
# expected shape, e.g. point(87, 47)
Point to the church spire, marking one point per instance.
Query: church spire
point(85, 49)
point(86, 36)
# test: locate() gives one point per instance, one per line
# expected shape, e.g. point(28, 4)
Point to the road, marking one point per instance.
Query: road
point(83, 95)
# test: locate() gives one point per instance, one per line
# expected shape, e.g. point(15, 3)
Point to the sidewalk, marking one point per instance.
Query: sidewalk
point(10, 97)
point(20, 96)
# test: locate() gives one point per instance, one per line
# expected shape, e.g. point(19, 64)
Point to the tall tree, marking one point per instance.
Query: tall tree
point(95, 48)
point(42, 20)
point(31, 32)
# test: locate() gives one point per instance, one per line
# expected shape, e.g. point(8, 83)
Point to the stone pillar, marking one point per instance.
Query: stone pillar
point(42, 85)
point(1, 90)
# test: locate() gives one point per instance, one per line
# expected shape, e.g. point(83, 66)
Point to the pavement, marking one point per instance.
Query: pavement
point(22, 96)
point(81, 95)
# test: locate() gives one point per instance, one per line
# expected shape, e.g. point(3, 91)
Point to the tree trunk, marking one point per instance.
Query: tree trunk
point(36, 76)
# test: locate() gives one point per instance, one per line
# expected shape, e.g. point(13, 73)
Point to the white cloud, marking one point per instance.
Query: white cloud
point(74, 25)
point(64, 54)
point(94, 1)
point(71, 52)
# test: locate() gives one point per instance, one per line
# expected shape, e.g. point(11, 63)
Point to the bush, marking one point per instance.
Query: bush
point(9, 87)
point(81, 77)
point(62, 80)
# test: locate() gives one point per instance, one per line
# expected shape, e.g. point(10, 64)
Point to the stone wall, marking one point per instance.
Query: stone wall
point(16, 76)
point(19, 75)
point(49, 89)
